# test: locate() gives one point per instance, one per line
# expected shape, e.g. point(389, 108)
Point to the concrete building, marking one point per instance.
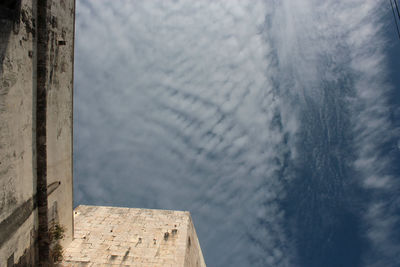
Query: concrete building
point(36, 108)
point(108, 236)
point(23, 82)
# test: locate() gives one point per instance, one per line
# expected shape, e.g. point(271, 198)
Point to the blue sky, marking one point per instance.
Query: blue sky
point(275, 123)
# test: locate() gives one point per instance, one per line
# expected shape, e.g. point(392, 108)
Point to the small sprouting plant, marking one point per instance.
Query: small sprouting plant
point(57, 253)
point(57, 232)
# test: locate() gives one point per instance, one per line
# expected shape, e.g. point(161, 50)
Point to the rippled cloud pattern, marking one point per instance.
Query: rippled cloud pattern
point(269, 120)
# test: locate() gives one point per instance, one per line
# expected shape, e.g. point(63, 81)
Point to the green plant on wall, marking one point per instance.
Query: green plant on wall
point(56, 233)
point(57, 252)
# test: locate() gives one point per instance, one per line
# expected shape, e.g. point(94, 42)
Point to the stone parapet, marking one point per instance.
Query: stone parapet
point(109, 236)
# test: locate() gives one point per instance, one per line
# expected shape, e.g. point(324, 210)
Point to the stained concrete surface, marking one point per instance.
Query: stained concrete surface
point(17, 124)
point(17, 175)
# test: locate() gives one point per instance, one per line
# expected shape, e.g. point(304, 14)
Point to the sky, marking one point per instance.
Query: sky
point(275, 123)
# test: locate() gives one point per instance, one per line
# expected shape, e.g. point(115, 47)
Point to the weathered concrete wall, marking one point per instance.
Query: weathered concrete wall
point(59, 113)
point(17, 149)
point(18, 214)
point(108, 236)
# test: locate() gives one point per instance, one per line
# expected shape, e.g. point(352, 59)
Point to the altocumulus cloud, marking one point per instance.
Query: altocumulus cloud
point(213, 107)
point(334, 51)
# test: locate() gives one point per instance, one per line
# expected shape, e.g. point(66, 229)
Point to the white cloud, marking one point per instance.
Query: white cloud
point(331, 40)
point(200, 104)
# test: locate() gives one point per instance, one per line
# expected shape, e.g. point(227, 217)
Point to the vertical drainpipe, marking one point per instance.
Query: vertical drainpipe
point(72, 120)
point(41, 138)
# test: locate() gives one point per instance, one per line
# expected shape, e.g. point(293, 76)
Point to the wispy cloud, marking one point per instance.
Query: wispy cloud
point(182, 119)
point(341, 43)
point(211, 106)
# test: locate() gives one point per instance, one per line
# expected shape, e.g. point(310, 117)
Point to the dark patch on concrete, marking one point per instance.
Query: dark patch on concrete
point(126, 254)
point(29, 23)
point(157, 253)
point(63, 67)
point(189, 242)
point(166, 236)
point(9, 22)
point(53, 212)
point(10, 10)
point(139, 242)
point(53, 57)
point(174, 231)
point(15, 220)
point(83, 263)
point(6, 170)
point(10, 261)
point(62, 4)
point(113, 257)
point(29, 258)
point(5, 90)
point(11, 224)
point(7, 81)
point(7, 198)
point(59, 131)
point(54, 22)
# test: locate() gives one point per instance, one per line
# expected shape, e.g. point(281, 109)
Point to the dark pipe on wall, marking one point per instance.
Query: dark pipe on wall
point(41, 137)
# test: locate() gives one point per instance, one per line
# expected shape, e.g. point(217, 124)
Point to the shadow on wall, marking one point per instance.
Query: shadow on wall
point(9, 23)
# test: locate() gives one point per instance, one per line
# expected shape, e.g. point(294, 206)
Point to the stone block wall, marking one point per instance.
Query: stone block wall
point(111, 236)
